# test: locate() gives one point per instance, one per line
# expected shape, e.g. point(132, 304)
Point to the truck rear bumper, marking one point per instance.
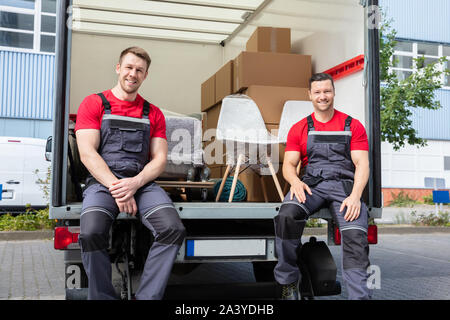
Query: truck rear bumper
point(209, 210)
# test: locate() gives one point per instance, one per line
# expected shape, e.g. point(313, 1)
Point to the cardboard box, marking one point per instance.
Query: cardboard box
point(252, 182)
point(271, 69)
point(217, 172)
point(208, 95)
point(212, 116)
point(267, 39)
point(224, 81)
point(270, 100)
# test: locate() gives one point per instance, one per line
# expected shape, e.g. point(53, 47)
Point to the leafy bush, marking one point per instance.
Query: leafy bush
point(441, 219)
point(428, 199)
point(402, 200)
point(314, 223)
point(29, 221)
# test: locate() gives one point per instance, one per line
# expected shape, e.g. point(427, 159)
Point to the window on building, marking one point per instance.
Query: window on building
point(28, 25)
point(406, 51)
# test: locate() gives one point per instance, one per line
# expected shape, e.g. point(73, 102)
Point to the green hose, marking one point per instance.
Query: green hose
point(240, 193)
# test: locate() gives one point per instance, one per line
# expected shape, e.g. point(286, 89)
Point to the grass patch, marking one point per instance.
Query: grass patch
point(428, 199)
point(442, 219)
point(31, 220)
point(402, 200)
point(314, 223)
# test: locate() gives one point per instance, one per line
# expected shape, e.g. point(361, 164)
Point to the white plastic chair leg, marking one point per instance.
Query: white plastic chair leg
point(236, 174)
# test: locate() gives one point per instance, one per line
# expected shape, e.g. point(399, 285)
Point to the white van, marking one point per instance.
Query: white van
point(23, 173)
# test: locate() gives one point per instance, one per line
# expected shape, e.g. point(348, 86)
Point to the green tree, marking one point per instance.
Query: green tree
point(399, 97)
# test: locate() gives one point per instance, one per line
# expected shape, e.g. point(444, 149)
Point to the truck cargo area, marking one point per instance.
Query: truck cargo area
point(201, 53)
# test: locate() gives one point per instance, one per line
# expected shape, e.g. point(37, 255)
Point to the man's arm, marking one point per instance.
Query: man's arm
point(360, 159)
point(88, 141)
point(124, 189)
point(291, 161)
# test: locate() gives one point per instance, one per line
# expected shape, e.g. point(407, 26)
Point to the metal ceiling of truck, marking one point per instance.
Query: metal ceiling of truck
point(211, 21)
point(204, 21)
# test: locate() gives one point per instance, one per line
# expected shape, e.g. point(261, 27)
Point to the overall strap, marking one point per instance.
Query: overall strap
point(348, 121)
point(310, 123)
point(146, 110)
point(105, 102)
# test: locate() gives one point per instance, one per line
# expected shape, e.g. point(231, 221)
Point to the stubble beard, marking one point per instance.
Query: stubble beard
point(128, 90)
point(323, 108)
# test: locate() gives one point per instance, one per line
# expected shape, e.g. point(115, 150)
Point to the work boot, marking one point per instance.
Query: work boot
point(289, 291)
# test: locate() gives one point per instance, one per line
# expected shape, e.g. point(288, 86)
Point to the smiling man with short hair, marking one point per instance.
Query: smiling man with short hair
point(332, 148)
point(122, 142)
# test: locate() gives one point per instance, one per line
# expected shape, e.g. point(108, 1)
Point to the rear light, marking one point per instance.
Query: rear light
point(17, 141)
point(73, 117)
point(66, 238)
point(372, 235)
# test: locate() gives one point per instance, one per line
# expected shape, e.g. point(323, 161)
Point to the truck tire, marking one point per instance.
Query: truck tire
point(263, 271)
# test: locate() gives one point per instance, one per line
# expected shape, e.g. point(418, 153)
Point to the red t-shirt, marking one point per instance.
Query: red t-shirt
point(91, 110)
point(298, 134)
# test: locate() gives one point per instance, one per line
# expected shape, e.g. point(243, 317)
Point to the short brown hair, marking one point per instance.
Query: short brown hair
point(320, 77)
point(141, 53)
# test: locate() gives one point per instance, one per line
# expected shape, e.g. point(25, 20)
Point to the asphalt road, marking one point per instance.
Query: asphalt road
point(412, 267)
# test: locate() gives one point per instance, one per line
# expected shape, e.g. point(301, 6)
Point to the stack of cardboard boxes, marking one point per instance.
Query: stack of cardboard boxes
point(269, 74)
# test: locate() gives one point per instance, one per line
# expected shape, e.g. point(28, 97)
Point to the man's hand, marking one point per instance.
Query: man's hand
point(353, 204)
point(298, 189)
point(124, 189)
point(128, 206)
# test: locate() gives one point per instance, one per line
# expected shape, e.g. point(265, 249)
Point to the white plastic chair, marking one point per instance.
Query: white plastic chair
point(240, 121)
point(293, 112)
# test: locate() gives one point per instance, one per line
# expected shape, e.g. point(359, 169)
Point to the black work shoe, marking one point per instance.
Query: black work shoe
point(289, 291)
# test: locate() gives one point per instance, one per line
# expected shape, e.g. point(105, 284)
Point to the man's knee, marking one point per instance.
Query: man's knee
point(94, 230)
point(355, 249)
point(290, 221)
point(168, 226)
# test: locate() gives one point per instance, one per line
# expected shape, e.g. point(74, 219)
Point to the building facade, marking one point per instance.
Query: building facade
point(422, 30)
point(27, 60)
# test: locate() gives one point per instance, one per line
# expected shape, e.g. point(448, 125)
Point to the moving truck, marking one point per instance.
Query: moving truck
point(187, 49)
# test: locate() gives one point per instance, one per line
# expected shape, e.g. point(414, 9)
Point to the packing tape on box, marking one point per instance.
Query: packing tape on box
point(273, 40)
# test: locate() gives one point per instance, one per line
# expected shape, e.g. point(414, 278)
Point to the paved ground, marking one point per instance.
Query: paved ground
point(31, 269)
point(413, 266)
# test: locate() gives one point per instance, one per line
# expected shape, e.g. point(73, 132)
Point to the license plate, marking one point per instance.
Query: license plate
point(205, 248)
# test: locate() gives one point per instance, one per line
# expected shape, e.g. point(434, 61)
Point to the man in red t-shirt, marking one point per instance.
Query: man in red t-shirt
point(122, 142)
point(332, 149)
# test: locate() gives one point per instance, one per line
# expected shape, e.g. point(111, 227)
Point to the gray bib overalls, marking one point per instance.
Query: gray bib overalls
point(125, 145)
point(329, 174)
